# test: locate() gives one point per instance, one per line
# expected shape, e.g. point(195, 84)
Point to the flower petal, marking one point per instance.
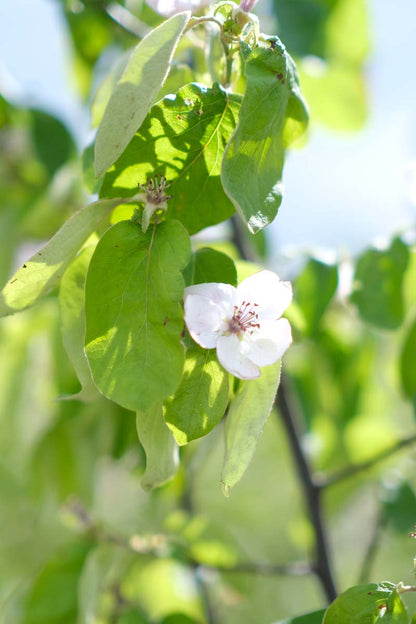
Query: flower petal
point(271, 295)
point(233, 360)
point(208, 309)
point(268, 344)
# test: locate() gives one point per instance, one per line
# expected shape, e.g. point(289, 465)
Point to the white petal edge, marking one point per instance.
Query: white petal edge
point(267, 290)
point(203, 320)
point(269, 344)
point(235, 362)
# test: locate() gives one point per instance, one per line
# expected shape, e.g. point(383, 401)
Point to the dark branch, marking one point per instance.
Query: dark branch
point(312, 491)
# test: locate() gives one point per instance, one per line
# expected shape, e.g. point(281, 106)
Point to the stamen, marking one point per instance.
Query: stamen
point(155, 189)
point(244, 318)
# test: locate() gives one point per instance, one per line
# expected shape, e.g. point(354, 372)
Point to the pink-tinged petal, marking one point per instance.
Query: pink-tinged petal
point(265, 289)
point(208, 309)
point(233, 360)
point(268, 344)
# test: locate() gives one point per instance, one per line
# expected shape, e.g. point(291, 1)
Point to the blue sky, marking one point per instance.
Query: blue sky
point(342, 191)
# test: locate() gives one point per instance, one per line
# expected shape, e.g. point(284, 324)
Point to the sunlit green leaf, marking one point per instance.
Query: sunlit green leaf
point(43, 271)
point(183, 138)
point(162, 458)
point(368, 604)
point(408, 363)
point(245, 421)
point(209, 265)
point(136, 90)
point(315, 617)
point(132, 616)
point(200, 401)
point(134, 316)
point(273, 114)
point(378, 285)
point(314, 289)
point(72, 303)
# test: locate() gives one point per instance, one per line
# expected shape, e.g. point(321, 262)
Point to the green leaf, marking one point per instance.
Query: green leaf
point(132, 616)
point(183, 138)
point(162, 458)
point(201, 399)
point(72, 308)
point(408, 363)
point(134, 315)
point(245, 421)
point(378, 285)
point(43, 271)
point(368, 604)
point(136, 90)
point(314, 617)
point(209, 265)
point(179, 618)
point(314, 289)
point(53, 597)
point(273, 114)
point(399, 507)
point(53, 143)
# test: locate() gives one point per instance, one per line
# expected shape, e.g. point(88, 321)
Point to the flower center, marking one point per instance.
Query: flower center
point(155, 190)
point(245, 318)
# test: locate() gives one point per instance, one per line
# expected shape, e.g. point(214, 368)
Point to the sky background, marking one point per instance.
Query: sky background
point(342, 191)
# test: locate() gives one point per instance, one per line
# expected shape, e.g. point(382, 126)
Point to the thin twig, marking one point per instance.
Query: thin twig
point(312, 492)
point(265, 569)
point(350, 471)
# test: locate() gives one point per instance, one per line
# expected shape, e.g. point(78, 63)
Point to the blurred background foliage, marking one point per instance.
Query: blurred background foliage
point(81, 542)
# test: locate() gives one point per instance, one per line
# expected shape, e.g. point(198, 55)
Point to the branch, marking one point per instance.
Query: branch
point(311, 490)
point(350, 471)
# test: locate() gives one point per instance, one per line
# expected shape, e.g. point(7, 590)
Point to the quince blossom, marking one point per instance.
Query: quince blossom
point(242, 323)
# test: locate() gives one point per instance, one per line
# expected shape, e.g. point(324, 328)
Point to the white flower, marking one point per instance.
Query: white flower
point(242, 323)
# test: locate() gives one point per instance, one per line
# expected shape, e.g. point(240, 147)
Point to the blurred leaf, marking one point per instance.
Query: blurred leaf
point(44, 269)
point(378, 285)
point(162, 587)
point(315, 617)
point(53, 142)
point(201, 399)
point(136, 91)
point(103, 569)
point(213, 553)
point(209, 265)
point(72, 308)
point(183, 138)
point(53, 596)
point(179, 618)
point(132, 616)
point(134, 324)
point(244, 424)
point(162, 457)
point(408, 363)
point(336, 94)
point(399, 505)
point(368, 604)
point(273, 114)
point(314, 289)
